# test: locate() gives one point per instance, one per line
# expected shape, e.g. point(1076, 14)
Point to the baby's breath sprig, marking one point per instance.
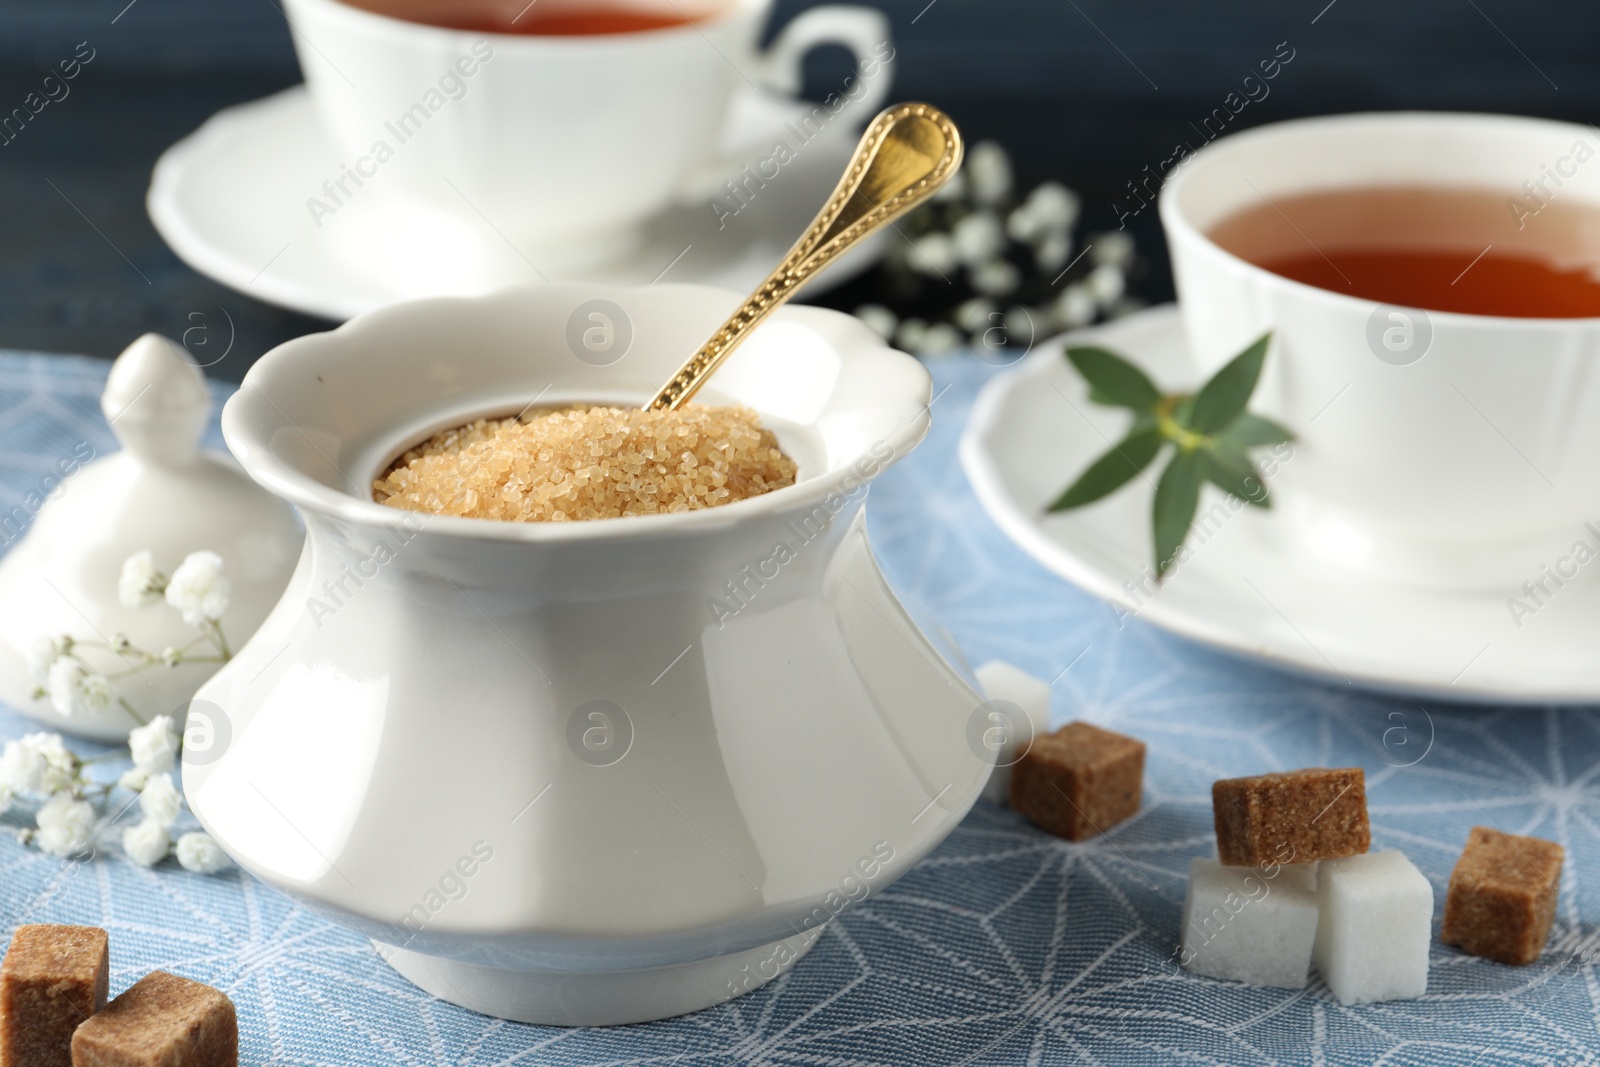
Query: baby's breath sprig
point(1210, 431)
point(73, 806)
point(982, 266)
point(198, 589)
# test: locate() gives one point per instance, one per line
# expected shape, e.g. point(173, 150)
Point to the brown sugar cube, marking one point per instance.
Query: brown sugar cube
point(1079, 780)
point(1502, 896)
point(1291, 817)
point(53, 978)
point(161, 1021)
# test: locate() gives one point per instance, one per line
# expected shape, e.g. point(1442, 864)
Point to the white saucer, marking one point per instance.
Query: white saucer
point(1255, 587)
point(231, 201)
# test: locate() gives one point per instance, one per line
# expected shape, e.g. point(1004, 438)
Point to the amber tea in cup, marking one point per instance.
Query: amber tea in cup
point(555, 18)
point(1474, 251)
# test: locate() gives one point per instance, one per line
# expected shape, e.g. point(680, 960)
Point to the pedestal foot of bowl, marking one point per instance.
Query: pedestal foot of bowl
point(599, 998)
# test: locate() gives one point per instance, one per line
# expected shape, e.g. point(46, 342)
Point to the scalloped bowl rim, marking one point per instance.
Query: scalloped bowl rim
point(250, 412)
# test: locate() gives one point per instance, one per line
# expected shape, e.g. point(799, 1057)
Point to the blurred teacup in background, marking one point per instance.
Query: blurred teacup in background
point(565, 124)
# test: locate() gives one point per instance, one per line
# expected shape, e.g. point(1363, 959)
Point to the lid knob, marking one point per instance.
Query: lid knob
point(156, 401)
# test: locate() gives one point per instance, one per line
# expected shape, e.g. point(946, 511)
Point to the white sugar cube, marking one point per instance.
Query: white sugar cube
point(1002, 681)
point(1251, 924)
point(1375, 926)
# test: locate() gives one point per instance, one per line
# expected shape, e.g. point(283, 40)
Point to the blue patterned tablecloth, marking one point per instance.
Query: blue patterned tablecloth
point(1006, 946)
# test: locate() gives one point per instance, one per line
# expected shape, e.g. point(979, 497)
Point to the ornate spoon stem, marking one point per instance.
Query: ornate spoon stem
point(906, 154)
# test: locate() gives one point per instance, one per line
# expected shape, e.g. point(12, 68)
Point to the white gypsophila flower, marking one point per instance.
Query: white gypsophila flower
point(978, 238)
point(1023, 325)
point(60, 765)
point(1114, 248)
point(65, 685)
point(198, 588)
point(133, 780)
point(154, 746)
point(43, 656)
point(139, 585)
point(933, 254)
point(1106, 284)
point(74, 689)
point(99, 692)
point(1022, 226)
point(1053, 207)
point(146, 844)
point(974, 315)
point(940, 339)
point(954, 189)
point(910, 334)
point(988, 173)
point(1074, 307)
point(996, 278)
point(1053, 251)
point(198, 853)
point(21, 766)
point(160, 800)
point(1050, 211)
point(64, 825)
point(37, 763)
point(880, 319)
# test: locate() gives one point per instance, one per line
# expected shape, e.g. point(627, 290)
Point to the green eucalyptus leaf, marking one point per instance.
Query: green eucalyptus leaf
point(1230, 451)
point(1249, 431)
point(1235, 474)
point(1177, 496)
point(1113, 381)
point(1222, 400)
point(1113, 470)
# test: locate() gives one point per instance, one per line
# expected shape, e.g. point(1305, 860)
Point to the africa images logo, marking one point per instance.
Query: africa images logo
point(453, 85)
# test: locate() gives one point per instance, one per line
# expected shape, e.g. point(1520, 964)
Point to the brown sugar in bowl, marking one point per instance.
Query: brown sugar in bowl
point(589, 462)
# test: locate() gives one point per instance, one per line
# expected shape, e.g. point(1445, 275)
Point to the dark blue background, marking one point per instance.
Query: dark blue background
point(1088, 91)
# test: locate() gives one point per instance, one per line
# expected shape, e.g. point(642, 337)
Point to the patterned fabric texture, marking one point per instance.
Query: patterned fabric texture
point(1006, 946)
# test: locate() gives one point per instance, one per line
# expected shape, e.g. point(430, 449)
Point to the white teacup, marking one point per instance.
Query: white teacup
point(564, 144)
point(1443, 448)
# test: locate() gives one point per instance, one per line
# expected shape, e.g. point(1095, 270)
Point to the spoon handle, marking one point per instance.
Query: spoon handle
point(907, 153)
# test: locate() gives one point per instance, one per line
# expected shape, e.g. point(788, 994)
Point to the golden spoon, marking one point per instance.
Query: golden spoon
point(904, 156)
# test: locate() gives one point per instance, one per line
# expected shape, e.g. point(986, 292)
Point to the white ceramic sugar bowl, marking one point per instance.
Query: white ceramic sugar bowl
point(583, 773)
point(161, 493)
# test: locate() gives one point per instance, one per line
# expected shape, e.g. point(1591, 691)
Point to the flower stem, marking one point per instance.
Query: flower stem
point(129, 653)
point(127, 707)
point(220, 640)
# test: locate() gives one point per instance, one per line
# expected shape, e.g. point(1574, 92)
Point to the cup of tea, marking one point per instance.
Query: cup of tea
point(563, 124)
point(1432, 283)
